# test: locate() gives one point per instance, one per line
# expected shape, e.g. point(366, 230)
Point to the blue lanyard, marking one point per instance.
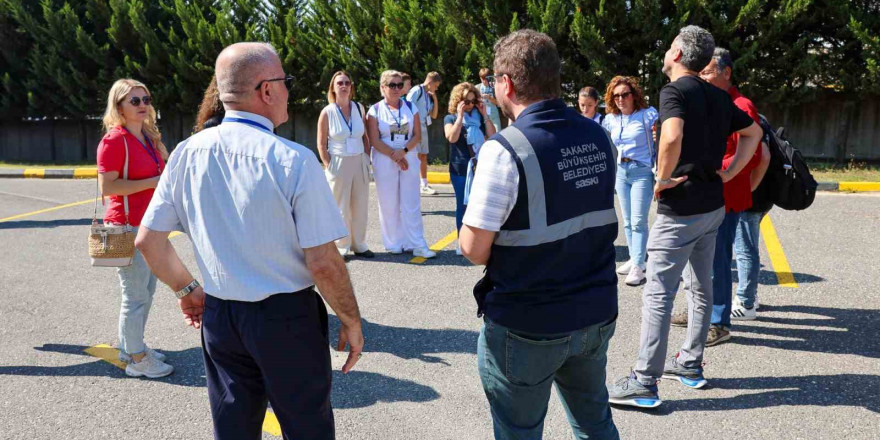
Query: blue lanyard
point(349, 121)
point(151, 150)
point(397, 118)
point(247, 122)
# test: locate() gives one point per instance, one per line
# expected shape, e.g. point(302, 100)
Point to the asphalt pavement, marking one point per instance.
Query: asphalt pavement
point(806, 369)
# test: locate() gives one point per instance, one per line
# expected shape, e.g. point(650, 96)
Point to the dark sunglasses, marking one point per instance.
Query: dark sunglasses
point(470, 102)
point(136, 100)
point(398, 86)
point(343, 83)
point(288, 82)
point(623, 95)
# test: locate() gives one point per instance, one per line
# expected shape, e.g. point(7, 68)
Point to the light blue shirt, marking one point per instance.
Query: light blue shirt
point(419, 97)
point(491, 109)
point(250, 201)
point(632, 134)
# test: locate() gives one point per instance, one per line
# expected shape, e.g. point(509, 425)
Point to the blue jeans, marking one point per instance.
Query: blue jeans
point(635, 189)
point(722, 276)
point(748, 258)
point(458, 185)
point(138, 286)
point(518, 368)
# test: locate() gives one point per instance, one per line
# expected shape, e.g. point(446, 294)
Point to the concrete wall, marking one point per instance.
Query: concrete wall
point(830, 128)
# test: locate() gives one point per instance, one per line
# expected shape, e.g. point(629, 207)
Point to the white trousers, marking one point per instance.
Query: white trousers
point(400, 204)
point(349, 179)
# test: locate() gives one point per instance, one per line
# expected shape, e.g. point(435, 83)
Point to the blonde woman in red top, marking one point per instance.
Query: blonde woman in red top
point(130, 123)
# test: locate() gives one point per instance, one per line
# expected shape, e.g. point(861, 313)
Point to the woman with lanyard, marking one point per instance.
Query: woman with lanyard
point(588, 104)
point(132, 141)
point(395, 132)
point(342, 144)
point(629, 120)
point(466, 129)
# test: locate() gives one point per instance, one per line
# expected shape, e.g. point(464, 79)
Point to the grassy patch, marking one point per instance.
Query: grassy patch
point(852, 171)
point(48, 166)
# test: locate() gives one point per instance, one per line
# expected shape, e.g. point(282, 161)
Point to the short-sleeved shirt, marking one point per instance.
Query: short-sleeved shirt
point(420, 98)
point(709, 118)
point(738, 191)
point(632, 135)
point(459, 153)
point(395, 125)
point(346, 137)
point(144, 162)
point(491, 109)
point(250, 202)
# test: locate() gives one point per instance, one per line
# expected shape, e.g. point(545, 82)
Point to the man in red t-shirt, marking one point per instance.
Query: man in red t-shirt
point(737, 198)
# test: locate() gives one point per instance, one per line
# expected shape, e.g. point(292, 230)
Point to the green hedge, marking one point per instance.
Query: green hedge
point(58, 58)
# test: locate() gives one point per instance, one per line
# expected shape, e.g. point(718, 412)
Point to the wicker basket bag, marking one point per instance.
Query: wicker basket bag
point(112, 245)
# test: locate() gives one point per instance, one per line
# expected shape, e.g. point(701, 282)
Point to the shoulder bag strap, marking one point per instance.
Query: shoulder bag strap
point(125, 176)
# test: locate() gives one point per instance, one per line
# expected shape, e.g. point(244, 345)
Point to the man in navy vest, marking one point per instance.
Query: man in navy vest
point(541, 218)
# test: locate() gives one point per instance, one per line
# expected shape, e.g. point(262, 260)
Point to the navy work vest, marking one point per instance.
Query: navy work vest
point(551, 269)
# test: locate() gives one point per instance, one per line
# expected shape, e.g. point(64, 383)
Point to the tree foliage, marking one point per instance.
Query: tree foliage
point(60, 57)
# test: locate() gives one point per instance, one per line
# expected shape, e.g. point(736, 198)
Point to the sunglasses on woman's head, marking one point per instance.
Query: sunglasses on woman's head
point(137, 100)
point(398, 86)
point(623, 95)
point(343, 83)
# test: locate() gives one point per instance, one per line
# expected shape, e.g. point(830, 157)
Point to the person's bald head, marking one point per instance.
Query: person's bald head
point(241, 66)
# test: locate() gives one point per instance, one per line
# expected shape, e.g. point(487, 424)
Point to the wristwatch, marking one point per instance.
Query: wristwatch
point(405, 150)
point(186, 290)
point(664, 181)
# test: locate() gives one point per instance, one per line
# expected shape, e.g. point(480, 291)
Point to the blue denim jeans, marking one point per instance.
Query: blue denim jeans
point(748, 258)
point(635, 189)
point(458, 186)
point(517, 370)
point(138, 286)
point(722, 275)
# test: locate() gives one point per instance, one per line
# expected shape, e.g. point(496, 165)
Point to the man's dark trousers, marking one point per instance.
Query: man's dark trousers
point(276, 351)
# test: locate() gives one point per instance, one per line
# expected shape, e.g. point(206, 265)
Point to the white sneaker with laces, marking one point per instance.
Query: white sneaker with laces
point(428, 191)
point(125, 357)
point(740, 313)
point(424, 253)
point(149, 367)
point(624, 268)
point(635, 277)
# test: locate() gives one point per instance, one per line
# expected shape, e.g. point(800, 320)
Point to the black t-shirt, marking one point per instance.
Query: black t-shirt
point(459, 153)
point(710, 116)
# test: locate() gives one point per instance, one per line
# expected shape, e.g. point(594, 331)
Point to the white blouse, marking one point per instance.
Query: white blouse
point(395, 126)
point(346, 137)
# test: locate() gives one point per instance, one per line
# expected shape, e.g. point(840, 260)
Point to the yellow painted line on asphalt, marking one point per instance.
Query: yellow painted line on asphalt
point(858, 186)
point(85, 173)
point(34, 173)
point(784, 277)
point(111, 355)
point(438, 246)
point(174, 234)
point(54, 208)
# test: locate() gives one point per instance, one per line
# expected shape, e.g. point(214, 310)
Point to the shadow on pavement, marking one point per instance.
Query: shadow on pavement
point(832, 390)
point(769, 278)
point(445, 257)
point(842, 331)
point(412, 343)
point(359, 389)
point(43, 224)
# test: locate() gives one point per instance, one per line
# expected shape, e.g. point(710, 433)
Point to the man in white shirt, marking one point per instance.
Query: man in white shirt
point(263, 223)
point(425, 98)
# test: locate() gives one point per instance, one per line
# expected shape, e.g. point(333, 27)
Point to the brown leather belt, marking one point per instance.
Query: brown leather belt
point(626, 159)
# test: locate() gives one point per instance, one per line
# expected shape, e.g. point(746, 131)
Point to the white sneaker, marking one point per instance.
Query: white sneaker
point(741, 313)
point(395, 251)
point(428, 191)
point(636, 276)
point(624, 269)
point(149, 367)
point(125, 357)
point(424, 253)
point(736, 302)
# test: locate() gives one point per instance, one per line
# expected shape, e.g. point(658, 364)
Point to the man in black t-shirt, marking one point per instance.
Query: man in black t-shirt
point(696, 119)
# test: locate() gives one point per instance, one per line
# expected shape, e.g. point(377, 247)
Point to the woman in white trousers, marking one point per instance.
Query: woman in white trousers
point(394, 131)
point(342, 145)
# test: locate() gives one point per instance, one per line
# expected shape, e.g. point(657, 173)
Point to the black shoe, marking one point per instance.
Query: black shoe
point(365, 254)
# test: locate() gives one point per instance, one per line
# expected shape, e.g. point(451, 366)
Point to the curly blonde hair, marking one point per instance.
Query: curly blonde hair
point(113, 117)
point(634, 88)
point(459, 93)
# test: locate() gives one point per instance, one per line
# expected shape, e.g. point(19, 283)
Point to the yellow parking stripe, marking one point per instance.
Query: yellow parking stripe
point(54, 208)
point(784, 277)
point(438, 246)
point(111, 355)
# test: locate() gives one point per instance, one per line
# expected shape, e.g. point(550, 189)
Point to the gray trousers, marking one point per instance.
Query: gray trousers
point(679, 247)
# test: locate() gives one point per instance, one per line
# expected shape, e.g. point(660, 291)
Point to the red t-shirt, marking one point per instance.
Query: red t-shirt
point(141, 165)
point(738, 191)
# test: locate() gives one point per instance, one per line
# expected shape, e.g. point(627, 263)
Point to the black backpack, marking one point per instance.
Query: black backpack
point(788, 183)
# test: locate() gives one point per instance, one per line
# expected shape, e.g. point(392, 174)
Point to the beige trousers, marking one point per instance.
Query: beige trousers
point(349, 179)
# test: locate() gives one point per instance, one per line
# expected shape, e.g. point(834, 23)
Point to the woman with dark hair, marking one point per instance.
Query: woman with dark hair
point(211, 110)
point(588, 104)
point(628, 120)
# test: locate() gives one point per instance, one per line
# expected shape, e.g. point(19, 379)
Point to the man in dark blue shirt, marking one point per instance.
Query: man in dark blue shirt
point(541, 218)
